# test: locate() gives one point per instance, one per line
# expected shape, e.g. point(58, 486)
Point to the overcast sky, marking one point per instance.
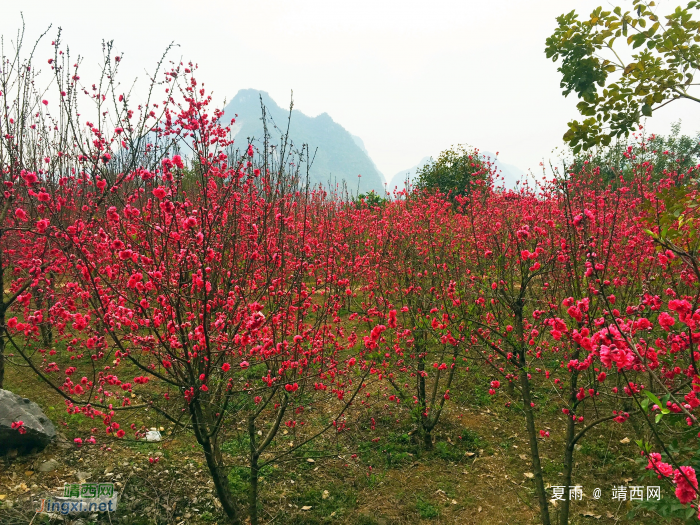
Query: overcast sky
point(409, 77)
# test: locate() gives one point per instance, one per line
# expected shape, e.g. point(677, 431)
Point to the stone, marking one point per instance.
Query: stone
point(48, 466)
point(82, 476)
point(40, 431)
point(152, 435)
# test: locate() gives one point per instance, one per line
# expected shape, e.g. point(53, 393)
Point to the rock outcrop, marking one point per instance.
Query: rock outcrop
point(39, 431)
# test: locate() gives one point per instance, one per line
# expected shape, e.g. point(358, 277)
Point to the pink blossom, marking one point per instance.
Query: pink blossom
point(685, 492)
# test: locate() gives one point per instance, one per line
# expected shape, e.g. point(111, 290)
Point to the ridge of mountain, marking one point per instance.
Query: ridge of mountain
point(339, 156)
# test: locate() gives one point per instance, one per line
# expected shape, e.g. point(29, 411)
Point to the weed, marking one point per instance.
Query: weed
point(448, 452)
point(425, 509)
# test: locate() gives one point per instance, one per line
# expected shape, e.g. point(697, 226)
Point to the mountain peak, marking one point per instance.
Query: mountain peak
point(339, 159)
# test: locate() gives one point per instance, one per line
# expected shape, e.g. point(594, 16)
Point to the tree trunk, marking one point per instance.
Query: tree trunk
point(529, 416)
point(254, 473)
point(2, 353)
point(253, 491)
point(2, 344)
point(534, 451)
point(223, 490)
point(3, 310)
point(45, 327)
point(424, 418)
point(569, 451)
point(427, 439)
point(568, 469)
point(214, 460)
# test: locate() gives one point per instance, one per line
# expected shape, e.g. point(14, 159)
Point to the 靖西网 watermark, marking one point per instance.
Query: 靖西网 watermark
point(83, 497)
point(619, 493)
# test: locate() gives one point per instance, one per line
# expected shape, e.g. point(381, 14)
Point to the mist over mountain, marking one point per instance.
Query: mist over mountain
point(398, 181)
point(508, 174)
point(340, 156)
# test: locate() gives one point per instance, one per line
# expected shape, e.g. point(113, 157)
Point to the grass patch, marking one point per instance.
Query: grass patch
point(426, 510)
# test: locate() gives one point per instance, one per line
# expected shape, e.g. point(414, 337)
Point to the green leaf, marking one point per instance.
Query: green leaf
point(658, 418)
point(645, 405)
point(652, 397)
point(646, 110)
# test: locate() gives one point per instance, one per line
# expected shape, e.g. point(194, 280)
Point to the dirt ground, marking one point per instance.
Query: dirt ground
point(478, 473)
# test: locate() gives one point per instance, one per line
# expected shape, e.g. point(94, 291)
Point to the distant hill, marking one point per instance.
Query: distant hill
point(509, 174)
point(398, 181)
point(339, 157)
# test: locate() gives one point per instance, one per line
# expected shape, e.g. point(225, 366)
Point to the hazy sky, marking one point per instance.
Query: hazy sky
point(409, 77)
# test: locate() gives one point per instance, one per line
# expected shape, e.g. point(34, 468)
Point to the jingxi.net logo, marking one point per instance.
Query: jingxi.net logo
point(84, 497)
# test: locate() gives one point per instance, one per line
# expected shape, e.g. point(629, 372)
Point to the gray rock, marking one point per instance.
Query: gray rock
point(82, 476)
point(39, 428)
point(48, 466)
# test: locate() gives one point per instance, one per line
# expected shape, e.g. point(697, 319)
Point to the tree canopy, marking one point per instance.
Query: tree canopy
point(455, 171)
point(655, 65)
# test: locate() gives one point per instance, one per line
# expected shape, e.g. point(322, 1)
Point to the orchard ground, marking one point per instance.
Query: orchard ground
point(477, 473)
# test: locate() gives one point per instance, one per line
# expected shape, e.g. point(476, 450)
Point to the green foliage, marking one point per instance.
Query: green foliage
point(448, 452)
point(326, 500)
point(616, 94)
point(397, 450)
point(238, 445)
point(472, 441)
point(238, 478)
point(369, 200)
point(426, 510)
point(676, 225)
point(457, 170)
point(667, 155)
point(364, 519)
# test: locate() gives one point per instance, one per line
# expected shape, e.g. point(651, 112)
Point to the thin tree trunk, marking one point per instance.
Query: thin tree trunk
point(2, 350)
point(254, 473)
point(3, 308)
point(529, 416)
point(568, 469)
point(424, 420)
point(223, 490)
point(214, 460)
point(569, 451)
point(45, 327)
point(534, 451)
point(427, 439)
point(253, 490)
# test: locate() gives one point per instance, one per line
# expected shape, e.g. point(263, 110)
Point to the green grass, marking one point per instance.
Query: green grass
point(426, 510)
point(337, 501)
point(471, 440)
point(448, 452)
